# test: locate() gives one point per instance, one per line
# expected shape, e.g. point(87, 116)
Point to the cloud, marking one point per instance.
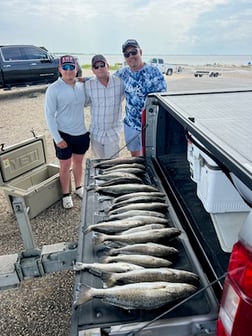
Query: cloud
point(160, 26)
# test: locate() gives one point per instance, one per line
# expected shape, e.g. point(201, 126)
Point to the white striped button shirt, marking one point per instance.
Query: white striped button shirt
point(106, 108)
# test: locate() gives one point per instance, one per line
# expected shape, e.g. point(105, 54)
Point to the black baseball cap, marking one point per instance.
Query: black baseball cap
point(130, 43)
point(98, 58)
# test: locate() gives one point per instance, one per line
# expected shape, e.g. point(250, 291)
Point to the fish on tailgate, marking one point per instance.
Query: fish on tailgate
point(154, 249)
point(127, 188)
point(122, 160)
point(150, 275)
point(139, 259)
point(131, 213)
point(138, 194)
point(150, 206)
point(116, 226)
point(140, 237)
point(143, 228)
point(98, 268)
point(142, 295)
point(139, 199)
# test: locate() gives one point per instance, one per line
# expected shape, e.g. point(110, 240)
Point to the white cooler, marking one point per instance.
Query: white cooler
point(214, 189)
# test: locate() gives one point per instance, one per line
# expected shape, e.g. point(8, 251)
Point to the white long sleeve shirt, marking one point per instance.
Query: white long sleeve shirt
point(64, 109)
point(106, 108)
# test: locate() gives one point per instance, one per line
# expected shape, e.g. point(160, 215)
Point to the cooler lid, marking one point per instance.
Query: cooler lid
point(21, 158)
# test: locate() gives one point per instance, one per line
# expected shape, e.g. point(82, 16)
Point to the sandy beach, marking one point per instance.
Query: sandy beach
point(42, 306)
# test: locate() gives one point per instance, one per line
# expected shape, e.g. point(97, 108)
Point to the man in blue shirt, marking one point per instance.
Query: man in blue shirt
point(139, 79)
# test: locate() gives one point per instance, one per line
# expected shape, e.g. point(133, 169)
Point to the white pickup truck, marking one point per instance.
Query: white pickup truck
point(165, 68)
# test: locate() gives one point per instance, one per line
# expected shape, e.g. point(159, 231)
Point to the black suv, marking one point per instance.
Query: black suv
point(27, 65)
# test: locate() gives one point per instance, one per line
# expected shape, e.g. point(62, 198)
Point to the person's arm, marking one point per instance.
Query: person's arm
point(50, 114)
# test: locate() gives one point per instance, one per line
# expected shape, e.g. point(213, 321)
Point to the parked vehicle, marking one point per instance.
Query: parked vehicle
point(201, 73)
point(165, 68)
point(206, 177)
point(27, 65)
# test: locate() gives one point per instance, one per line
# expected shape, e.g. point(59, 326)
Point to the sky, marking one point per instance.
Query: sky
point(162, 27)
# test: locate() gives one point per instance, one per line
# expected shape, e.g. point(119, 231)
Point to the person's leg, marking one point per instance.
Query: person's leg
point(136, 153)
point(80, 146)
point(77, 169)
point(65, 180)
point(133, 140)
point(64, 173)
point(111, 150)
point(97, 149)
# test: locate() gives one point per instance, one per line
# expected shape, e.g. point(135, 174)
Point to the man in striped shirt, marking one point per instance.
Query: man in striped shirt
point(104, 93)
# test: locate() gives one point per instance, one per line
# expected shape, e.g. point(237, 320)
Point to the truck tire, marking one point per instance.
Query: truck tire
point(169, 72)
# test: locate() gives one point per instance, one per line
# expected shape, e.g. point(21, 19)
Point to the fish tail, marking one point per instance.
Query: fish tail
point(112, 252)
point(108, 279)
point(84, 296)
point(79, 266)
point(106, 250)
point(87, 230)
point(98, 238)
point(105, 259)
point(91, 187)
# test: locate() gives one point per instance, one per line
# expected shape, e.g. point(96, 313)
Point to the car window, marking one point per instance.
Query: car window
point(33, 53)
point(11, 54)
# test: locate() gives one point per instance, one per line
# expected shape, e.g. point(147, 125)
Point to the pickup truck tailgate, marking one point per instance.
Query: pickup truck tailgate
point(196, 316)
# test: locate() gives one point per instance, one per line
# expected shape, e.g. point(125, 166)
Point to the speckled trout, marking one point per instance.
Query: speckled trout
point(121, 189)
point(150, 275)
point(149, 206)
point(139, 259)
point(153, 236)
point(99, 268)
point(122, 160)
point(157, 250)
point(116, 226)
point(143, 295)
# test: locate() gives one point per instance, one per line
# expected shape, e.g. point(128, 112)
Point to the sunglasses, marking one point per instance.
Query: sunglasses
point(66, 67)
point(133, 53)
point(102, 65)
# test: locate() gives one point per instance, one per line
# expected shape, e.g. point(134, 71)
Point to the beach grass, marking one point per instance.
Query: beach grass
point(115, 66)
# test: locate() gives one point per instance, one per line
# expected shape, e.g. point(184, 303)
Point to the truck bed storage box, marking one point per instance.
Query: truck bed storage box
point(214, 188)
point(25, 174)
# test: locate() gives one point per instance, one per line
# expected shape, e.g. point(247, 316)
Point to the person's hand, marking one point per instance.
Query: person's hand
point(81, 79)
point(62, 144)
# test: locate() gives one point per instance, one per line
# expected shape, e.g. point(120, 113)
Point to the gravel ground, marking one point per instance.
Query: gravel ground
point(40, 306)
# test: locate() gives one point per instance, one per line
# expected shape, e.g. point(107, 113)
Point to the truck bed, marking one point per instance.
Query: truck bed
point(211, 118)
point(198, 312)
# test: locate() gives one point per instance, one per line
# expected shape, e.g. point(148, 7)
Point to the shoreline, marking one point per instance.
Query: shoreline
point(187, 72)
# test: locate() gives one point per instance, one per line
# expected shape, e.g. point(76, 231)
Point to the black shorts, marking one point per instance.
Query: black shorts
point(77, 144)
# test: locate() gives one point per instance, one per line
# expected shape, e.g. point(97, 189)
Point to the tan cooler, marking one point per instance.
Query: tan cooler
point(25, 173)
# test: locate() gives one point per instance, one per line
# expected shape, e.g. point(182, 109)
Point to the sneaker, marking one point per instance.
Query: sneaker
point(79, 192)
point(67, 202)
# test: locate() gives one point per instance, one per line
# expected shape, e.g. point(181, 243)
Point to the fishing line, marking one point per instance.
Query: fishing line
point(133, 333)
point(132, 139)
